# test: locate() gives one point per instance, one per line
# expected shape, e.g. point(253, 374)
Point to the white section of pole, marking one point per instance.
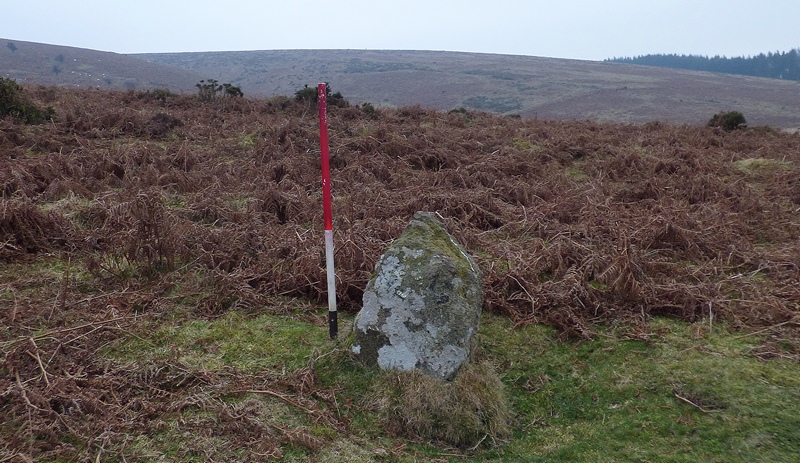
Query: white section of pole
point(332, 315)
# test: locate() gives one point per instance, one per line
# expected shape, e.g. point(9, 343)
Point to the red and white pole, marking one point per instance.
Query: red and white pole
point(327, 213)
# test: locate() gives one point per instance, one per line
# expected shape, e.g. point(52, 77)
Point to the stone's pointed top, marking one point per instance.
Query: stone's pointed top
point(428, 217)
point(431, 225)
point(422, 307)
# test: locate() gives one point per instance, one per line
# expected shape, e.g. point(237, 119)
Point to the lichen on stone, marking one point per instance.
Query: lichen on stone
point(422, 306)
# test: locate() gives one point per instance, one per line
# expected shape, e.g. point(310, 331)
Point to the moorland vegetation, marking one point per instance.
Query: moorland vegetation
point(149, 240)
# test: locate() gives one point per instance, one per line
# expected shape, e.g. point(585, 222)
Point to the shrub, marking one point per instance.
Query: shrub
point(232, 90)
point(306, 94)
point(207, 91)
point(336, 99)
point(157, 94)
point(211, 90)
point(728, 121)
point(278, 103)
point(309, 95)
point(15, 103)
point(368, 109)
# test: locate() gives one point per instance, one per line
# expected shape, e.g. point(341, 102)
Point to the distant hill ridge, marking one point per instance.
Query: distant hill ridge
point(31, 62)
point(507, 84)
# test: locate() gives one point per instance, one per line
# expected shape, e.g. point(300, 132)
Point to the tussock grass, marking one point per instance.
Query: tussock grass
point(464, 412)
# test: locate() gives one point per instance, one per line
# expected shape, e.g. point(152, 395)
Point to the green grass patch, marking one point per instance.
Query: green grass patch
point(679, 399)
point(525, 145)
point(694, 394)
point(251, 345)
point(247, 140)
point(239, 203)
point(753, 165)
point(43, 276)
point(576, 173)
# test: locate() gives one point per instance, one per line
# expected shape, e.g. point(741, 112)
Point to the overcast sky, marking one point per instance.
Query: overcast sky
point(577, 29)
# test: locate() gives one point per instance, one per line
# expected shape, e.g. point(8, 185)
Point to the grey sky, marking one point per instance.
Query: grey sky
point(578, 29)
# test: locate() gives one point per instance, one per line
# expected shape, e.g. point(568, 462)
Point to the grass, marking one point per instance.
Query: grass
point(250, 345)
point(751, 165)
point(692, 393)
point(685, 397)
point(464, 412)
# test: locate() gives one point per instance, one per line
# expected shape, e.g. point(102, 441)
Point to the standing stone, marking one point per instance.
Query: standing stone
point(422, 307)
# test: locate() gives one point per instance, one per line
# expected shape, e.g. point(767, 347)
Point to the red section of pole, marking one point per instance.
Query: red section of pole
point(322, 91)
point(333, 323)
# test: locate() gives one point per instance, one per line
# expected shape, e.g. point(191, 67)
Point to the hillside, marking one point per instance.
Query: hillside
point(163, 281)
point(546, 88)
point(31, 62)
point(532, 87)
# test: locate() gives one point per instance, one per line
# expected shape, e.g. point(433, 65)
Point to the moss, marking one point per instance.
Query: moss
point(418, 233)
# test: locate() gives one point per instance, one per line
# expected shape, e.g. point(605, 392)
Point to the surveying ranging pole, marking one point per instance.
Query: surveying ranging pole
point(333, 322)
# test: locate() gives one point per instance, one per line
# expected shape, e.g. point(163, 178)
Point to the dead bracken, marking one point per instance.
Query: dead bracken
point(109, 225)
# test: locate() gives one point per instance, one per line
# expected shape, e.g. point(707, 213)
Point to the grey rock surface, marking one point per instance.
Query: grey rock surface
point(422, 307)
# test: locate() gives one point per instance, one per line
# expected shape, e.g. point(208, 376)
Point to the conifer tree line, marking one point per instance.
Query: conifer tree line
point(778, 65)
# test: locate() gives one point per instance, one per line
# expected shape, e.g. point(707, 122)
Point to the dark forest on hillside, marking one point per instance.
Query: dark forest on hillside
point(779, 65)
